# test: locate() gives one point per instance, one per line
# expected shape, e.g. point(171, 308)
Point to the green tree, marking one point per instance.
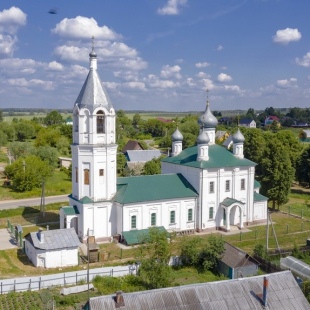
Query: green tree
point(154, 255)
point(1, 116)
point(136, 120)
point(19, 149)
point(277, 172)
point(303, 168)
point(254, 145)
point(63, 146)
point(48, 137)
point(48, 154)
point(211, 253)
point(24, 131)
point(121, 163)
point(152, 167)
point(8, 130)
point(190, 249)
point(291, 143)
point(53, 118)
point(28, 173)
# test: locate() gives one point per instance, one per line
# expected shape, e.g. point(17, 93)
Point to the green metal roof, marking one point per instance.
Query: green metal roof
point(259, 197)
point(138, 236)
point(229, 201)
point(153, 187)
point(256, 184)
point(219, 157)
point(70, 210)
point(84, 200)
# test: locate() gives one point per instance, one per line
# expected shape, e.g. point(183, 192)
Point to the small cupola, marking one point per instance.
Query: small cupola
point(203, 145)
point(208, 121)
point(238, 140)
point(177, 139)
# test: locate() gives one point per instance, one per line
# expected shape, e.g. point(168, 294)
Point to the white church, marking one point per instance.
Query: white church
point(203, 187)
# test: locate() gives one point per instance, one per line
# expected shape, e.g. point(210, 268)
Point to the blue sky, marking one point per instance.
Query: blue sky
point(157, 54)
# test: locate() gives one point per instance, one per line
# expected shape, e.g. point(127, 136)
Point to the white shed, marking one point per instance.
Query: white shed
point(52, 248)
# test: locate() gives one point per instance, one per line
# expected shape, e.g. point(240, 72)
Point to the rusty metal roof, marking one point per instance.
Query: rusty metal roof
point(243, 293)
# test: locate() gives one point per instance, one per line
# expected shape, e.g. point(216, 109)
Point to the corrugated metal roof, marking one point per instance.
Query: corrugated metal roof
point(239, 294)
point(153, 187)
point(142, 155)
point(229, 201)
point(219, 157)
point(137, 236)
point(70, 210)
point(93, 94)
point(54, 239)
point(234, 257)
point(259, 197)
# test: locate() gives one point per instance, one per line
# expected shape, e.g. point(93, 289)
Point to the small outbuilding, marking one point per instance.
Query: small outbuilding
point(237, 264)
point(53, 248)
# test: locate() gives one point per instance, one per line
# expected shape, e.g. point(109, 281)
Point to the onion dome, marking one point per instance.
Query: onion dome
point(93, 54)
point(177, 136)
point(207, 119)
point(238, 137)
point(203, 138)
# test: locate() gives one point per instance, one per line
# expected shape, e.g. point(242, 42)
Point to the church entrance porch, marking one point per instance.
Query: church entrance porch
point(232, 216)
point(69, 217)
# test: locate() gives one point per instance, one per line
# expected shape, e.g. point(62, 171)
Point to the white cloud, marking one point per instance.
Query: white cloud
point(132, 64)
point(71, 53)
point(17, 66)
point(155, 82)
point(202, 64)
point(208, 84)
point(223, 77)
point(55, 66)
point(287, 83)
point(305, 61)
point(33, 83)
point(169, 72)
point(12, 19)
point(233, 88)
point(172, 7)
point(220, 48)
point(190, 82)
point(7, 45)
point(287, 35)
point(202, 75)
point(111, 85)
point(135, 85)
point(126, 75)
point(84, 28)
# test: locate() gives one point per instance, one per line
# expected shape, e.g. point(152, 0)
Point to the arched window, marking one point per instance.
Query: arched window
point(100, 122)
point(153, 219)
point(133, 222)
point(86, 176)
point(211, 213)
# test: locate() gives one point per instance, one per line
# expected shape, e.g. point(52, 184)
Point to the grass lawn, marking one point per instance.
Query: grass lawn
point(57, 184)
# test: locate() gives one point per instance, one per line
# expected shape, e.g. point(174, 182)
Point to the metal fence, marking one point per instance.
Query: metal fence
point(62, 279)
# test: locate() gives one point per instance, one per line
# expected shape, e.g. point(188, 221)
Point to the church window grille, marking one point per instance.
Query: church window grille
point(86, 176)
point(242, 184)
point(211, 188)
point(172, 217)
point(133, 222)
point(190, 215)
point(227, 186)
point(101, 172)
point(100, 122)
point(153, 219)
point(211, 211)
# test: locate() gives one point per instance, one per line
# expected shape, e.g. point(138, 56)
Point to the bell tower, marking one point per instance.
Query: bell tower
point(93, 149)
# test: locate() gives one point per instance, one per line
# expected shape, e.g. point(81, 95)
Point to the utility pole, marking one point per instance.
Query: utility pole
point(42, 205)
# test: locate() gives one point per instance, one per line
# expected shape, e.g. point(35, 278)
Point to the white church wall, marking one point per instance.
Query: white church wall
point(143, 213)
point(260, 210)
